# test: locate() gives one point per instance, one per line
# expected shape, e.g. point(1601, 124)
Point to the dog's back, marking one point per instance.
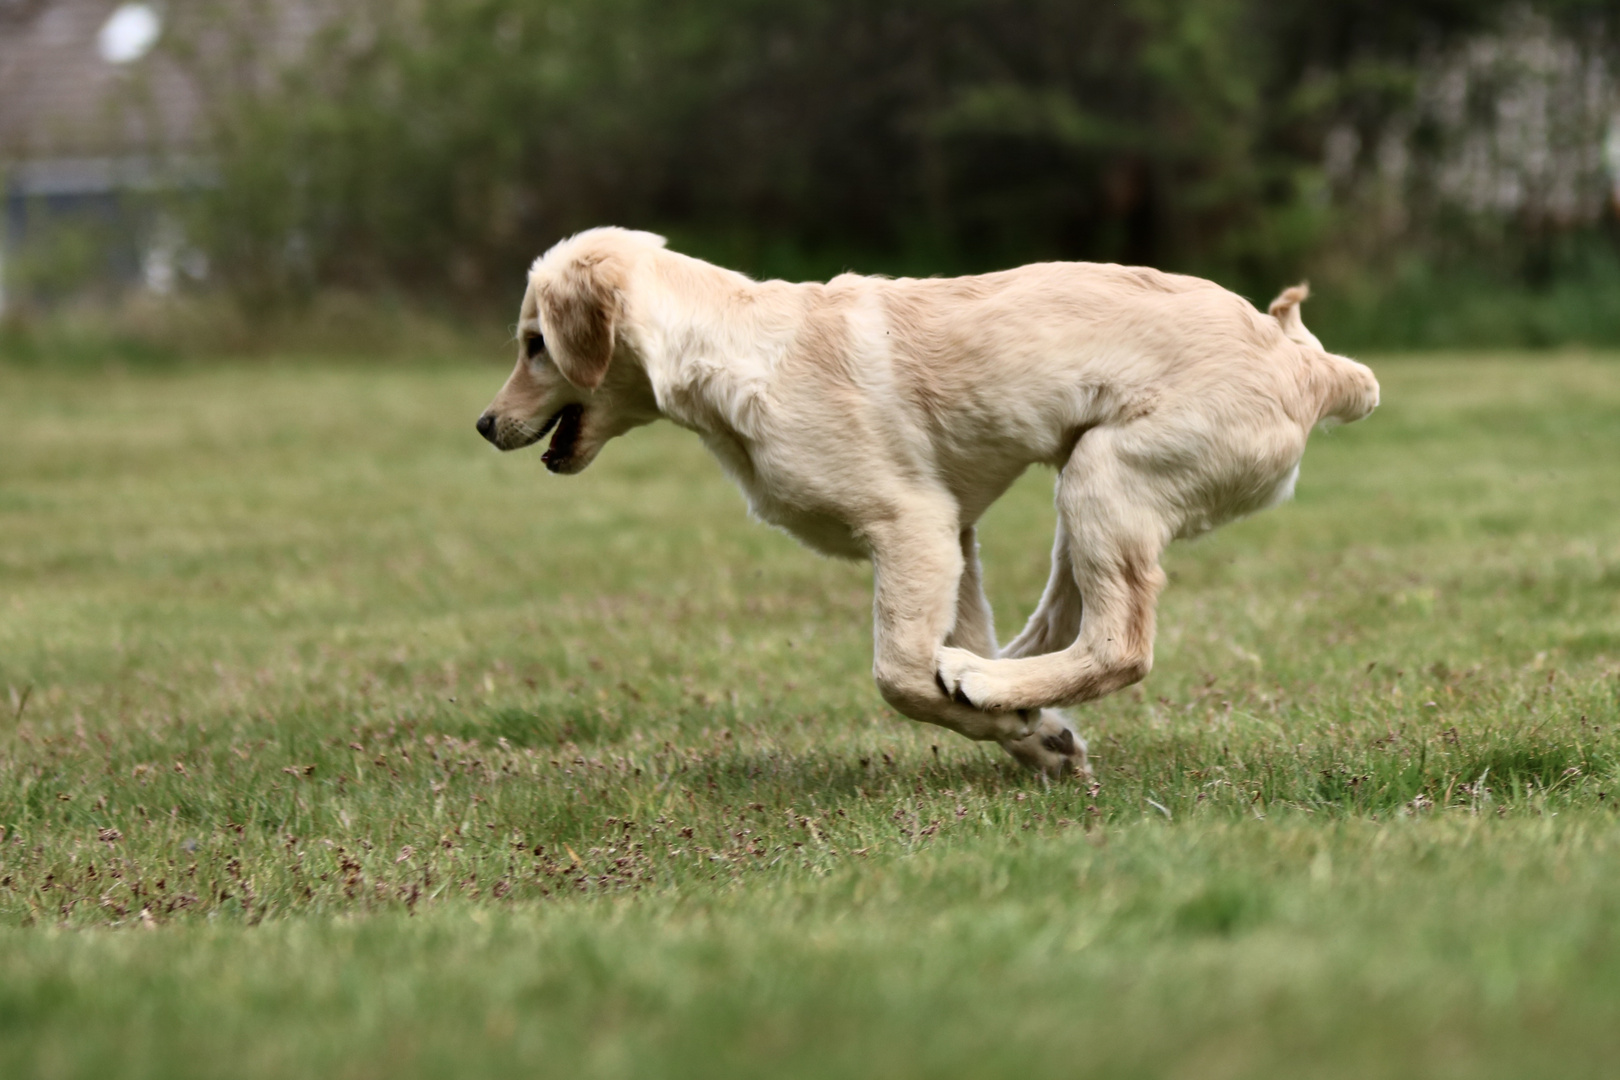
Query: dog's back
point(1089, 344)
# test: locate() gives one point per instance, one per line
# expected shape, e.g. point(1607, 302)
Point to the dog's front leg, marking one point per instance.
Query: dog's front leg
point(975, 627)
point(1052, 745)
point(918, 567)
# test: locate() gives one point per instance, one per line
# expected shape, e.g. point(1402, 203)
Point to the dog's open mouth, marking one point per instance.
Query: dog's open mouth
point(568, 421)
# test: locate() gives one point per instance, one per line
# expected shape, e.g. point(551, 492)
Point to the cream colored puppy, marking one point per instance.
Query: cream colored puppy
point(878, 418)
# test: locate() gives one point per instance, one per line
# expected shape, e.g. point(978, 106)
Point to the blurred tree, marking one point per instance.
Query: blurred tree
point(442, 145)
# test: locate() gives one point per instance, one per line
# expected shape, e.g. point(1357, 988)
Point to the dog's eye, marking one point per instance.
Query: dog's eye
point(533, 346)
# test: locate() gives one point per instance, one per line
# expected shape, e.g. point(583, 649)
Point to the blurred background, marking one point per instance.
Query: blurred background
point(229, 174)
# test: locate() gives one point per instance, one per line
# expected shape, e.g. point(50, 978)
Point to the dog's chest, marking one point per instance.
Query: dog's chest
point(820, 532)
point(775, 500)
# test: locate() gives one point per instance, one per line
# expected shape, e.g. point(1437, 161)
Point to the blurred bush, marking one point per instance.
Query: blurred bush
point(1439, 162)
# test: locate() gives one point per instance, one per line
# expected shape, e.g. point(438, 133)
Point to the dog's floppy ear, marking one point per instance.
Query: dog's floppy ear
point(579, 307)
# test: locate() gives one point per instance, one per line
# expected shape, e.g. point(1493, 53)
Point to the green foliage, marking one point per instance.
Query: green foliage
point(63, 256)
point(424, 144)
point(1427, 302)
point(439, 147)
point(333, 743)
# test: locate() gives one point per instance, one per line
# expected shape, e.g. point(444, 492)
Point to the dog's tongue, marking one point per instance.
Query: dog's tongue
point(557, 455)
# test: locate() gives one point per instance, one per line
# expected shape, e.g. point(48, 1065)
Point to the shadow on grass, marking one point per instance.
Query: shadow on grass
point(1511, 772)
point(742, 765)
point(1221, 909)
point(862, 775)
point(1527, 768)
point(538, 730)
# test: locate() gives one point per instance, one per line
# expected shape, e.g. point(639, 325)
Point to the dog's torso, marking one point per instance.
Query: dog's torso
point(845, 399)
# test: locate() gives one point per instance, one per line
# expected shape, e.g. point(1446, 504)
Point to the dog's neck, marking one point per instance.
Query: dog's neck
point(709, 339)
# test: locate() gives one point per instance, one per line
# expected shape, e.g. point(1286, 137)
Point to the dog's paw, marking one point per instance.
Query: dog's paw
point(959, 677)
point(1054, 748)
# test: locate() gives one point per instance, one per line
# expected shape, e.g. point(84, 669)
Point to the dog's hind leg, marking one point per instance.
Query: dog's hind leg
point(1116, 531)
point(1056, 620)
point(1055, 747)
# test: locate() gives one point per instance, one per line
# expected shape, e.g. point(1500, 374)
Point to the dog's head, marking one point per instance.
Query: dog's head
point(577, 376)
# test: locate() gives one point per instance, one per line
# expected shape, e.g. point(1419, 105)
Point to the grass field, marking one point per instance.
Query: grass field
point(335, 744)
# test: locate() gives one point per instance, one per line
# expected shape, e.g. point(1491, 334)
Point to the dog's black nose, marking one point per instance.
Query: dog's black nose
point(486, 426)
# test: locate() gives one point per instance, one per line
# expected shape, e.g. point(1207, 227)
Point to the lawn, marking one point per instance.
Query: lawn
point(335, 744)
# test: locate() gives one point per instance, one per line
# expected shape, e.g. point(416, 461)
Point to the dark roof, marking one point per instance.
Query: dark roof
point(60, 99)
point(69, 116)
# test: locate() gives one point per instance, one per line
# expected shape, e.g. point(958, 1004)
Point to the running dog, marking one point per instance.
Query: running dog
point(879, 418)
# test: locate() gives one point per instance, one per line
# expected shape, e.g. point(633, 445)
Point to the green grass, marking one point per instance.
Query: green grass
point(335, 744)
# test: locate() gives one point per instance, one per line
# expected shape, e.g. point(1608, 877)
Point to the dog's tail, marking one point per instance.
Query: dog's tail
point(1348, 389)
point(1285, 309)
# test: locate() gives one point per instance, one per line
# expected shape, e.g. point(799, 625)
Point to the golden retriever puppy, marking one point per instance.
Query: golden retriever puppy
point(878, 418)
